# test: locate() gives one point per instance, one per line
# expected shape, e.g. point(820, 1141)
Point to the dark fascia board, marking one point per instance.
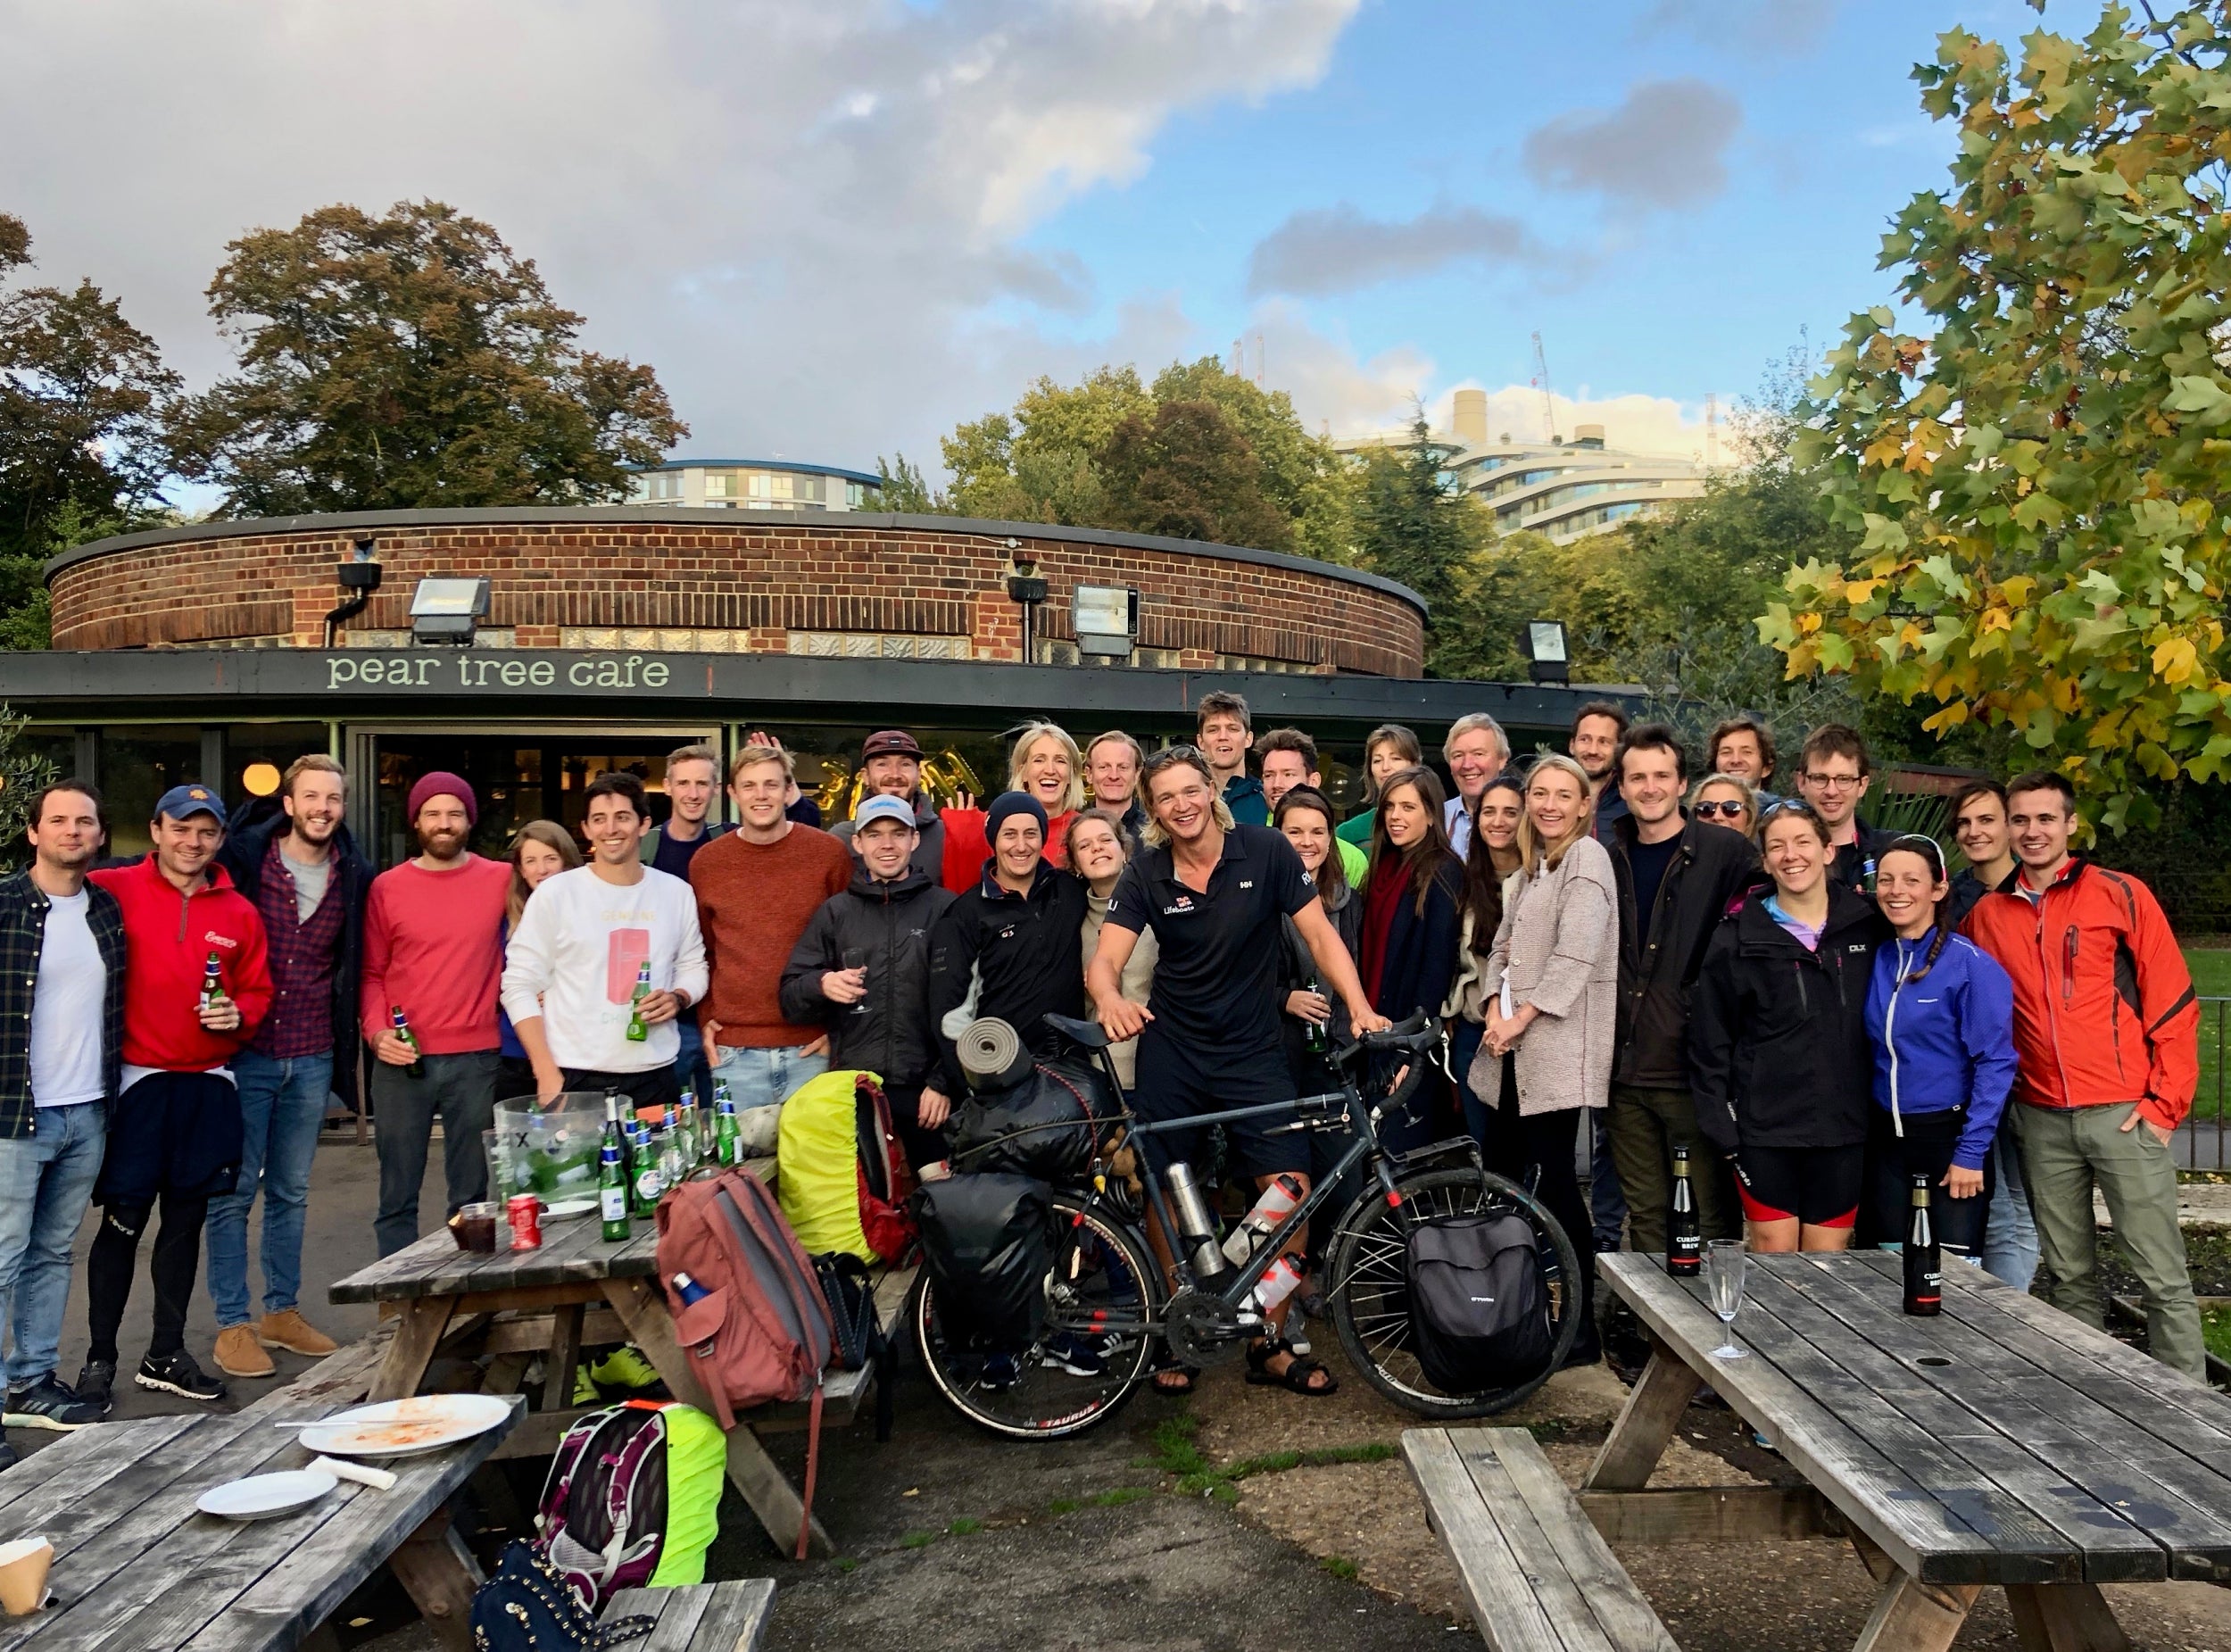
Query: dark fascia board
point(356, 524)
point(790, 466)
point(220, 683)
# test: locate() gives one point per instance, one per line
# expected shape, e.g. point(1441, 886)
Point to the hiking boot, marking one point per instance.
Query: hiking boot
point(239, 1354)
point(47, 1404)
point(177, 1373)
point(287, 1329)
point(96, 1383)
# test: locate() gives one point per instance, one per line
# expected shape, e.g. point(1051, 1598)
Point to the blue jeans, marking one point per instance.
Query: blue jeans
point(2010, 1233)
point(762, 1077)
point(282, 1108)
point(46, 1182)
point(692, 1071)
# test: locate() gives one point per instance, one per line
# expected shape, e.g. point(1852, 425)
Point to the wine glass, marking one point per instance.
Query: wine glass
point(1724, 1262)
point(856, 958)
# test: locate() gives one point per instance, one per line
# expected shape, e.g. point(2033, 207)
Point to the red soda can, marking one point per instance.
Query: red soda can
point(525, 1212)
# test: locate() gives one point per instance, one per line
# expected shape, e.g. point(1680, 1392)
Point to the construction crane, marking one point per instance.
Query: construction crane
point(1541, 383)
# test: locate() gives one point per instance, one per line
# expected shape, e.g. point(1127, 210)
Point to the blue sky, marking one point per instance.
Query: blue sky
point(837, 226)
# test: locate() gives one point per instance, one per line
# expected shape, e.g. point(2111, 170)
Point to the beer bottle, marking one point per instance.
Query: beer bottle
point(611, 1189)
point(212, 980)
point(417, 1069)
point(638, 1029)
point(1683, 1242)
point(727, 1140)
point(650, 1185)
point(1924, 1276)
point(1317, 1035)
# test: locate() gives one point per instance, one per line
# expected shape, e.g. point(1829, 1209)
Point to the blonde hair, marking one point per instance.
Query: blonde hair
point(550, 835)
point(1749, 793)
point(752, 756)
point(1533, 854)
point(313, 763)
point(1172, 757)
point(1030, 734)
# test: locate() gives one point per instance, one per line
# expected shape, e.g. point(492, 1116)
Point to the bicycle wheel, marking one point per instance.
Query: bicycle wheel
point(1370, 1298)
point(1102, 1292)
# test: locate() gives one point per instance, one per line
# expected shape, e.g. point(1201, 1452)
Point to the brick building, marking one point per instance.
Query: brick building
point(607, 636)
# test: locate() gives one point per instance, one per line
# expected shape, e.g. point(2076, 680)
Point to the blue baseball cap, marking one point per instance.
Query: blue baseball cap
point(181, 802)
point(882, 806)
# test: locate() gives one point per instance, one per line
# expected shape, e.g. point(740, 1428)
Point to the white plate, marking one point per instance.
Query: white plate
point(262, 1497)
point(564, 1208)
point(407, 1427)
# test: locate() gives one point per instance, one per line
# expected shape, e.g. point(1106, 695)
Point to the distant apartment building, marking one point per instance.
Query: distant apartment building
point(1564, 488)
point(755, 485)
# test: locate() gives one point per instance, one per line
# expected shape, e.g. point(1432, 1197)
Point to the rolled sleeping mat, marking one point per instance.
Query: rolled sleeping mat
point(992, 1053)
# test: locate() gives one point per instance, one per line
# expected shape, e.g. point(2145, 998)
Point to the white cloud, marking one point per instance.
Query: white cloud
point(806, 214)
point(1645, 424)
point(1333, 389)
point(1340, 249)
point(1664, 145)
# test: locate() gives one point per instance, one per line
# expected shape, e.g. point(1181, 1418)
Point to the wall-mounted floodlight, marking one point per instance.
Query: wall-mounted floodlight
point(1105, 619)
point(448, 611)
point(1545, 650)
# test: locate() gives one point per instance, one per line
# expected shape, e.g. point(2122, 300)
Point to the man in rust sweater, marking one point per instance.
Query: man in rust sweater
point(434, 952)
point(756, 890)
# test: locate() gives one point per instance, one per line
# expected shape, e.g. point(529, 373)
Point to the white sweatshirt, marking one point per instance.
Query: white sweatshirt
point(573, 959)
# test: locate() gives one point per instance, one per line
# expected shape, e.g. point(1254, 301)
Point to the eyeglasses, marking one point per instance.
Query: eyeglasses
point(1733, 808)
point(1835, 783)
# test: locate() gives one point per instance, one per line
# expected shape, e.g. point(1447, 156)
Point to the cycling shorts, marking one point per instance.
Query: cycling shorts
point(1818, 1186)
point(1174, 1083)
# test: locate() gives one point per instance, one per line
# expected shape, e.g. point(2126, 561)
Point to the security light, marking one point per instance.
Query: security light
point(1545, 650)
point(448, 611)
point(1105, 618)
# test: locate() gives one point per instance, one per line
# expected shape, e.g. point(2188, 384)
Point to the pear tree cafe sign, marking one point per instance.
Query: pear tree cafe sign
point(436, 670)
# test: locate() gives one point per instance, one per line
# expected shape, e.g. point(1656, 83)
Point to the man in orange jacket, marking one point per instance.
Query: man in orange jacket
point(2106, 1027)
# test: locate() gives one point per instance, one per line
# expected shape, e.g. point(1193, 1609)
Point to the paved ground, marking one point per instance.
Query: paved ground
point(954, 1542)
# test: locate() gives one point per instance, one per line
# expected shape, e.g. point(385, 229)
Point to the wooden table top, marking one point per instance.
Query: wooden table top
point(1999, 1442)
point(572, 1251)
point(136, 1566)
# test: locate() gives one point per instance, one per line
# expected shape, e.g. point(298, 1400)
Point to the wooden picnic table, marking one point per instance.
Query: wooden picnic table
point(2001, 1442)
point(135, 1565)
point(574, 1292)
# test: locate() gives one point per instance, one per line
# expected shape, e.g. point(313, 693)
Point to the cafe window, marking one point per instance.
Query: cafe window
point(137, 767)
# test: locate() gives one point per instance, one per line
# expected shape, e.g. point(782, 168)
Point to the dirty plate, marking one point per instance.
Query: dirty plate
point(264, 1496)
point(407, 1427)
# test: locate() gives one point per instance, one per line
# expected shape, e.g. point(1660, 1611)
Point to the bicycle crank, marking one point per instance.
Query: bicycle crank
point(1203, 1329)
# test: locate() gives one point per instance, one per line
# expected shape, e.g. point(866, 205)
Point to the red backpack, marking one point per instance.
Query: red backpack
point(763, 1331)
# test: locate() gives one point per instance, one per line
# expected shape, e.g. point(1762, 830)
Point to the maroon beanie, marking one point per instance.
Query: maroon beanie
point(441, 783)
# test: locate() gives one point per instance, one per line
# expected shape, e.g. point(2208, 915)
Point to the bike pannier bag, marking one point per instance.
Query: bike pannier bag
point(987, 1241)
point(1478, 1309)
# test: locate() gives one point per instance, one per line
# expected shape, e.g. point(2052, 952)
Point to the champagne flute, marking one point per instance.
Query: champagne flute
point(1724, 1262)
point(856, 958)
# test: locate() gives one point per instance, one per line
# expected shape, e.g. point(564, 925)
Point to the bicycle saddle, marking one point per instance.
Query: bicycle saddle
point(1087, 1033)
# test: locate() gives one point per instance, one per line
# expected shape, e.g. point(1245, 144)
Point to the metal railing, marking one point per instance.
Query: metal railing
point(2205, 1140)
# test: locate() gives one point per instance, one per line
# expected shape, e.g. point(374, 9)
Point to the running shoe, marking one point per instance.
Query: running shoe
point(177, 1373)
point(1066, 1351)
point(96, 1383)
point(47, 1404)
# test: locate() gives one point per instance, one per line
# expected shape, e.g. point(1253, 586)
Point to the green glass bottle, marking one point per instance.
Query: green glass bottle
point(1317, 1035)
point(611, 1190)
point(638, 1029)
point(727, 1145)
point(417, 1069)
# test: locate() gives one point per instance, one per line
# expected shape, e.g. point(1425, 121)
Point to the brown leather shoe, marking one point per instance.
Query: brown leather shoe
point(237, 1354)
point(290, 1331)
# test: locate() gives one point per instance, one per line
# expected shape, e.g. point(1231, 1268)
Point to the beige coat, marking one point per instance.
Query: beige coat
point(1560, 942)
point(1137, 980)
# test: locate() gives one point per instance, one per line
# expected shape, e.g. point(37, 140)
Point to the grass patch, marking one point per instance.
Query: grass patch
point(1063, 1506)
point(919, 1539)
point(1339, 1566)
point(965, 1526)
point(1175, 1453)
point(1550, 1430)
point(845, 1563)
point(2215, 1326)
point(2211, 978)
point(1121, 1495)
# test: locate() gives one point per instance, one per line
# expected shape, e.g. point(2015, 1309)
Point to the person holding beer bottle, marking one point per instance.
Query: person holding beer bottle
point(601, 950)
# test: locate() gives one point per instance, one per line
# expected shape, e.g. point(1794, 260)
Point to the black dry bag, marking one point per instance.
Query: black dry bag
point(1478, 1311)
point(987, 1241)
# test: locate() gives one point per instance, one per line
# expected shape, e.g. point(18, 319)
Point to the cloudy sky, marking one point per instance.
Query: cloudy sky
point(835, 227)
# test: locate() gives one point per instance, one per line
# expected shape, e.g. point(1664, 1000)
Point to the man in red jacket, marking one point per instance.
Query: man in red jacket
point(2106, 1029)
point(196, 984)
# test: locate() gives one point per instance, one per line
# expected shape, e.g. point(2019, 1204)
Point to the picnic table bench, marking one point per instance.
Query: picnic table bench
point(699, 1617)
point(574, 1292)
point(136, 1566)
point(1998, 1443)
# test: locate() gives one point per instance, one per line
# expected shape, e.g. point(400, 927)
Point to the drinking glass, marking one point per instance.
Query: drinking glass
point(856, 958)
point(1724, 1262)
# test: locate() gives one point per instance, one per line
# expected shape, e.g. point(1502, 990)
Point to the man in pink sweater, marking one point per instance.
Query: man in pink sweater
point(433, 959)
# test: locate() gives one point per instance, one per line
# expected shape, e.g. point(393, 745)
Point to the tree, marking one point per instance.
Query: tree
point(408, 361)
point(1415, 525)
point(79, 389)
point(903, 490)
point(1188, 472)
point(2038, 484)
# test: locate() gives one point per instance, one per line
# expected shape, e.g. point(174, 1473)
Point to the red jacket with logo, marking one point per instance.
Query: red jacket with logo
point(168, 938)
point(2104, 1009)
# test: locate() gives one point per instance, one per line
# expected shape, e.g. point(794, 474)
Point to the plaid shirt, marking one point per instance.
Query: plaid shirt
point(23, 909)
point(304, 954)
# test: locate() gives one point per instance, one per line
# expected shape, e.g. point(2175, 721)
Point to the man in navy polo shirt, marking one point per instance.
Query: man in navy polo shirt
point(1212, 893)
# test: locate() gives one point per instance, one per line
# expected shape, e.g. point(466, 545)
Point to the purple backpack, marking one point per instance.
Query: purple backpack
point(633, 1499)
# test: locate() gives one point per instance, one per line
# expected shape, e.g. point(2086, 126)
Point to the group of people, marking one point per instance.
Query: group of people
point(1633, 961)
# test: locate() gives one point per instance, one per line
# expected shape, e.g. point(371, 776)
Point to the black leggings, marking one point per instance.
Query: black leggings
point(1539, 1150)
point(1926, 1149)
point(108, 1274)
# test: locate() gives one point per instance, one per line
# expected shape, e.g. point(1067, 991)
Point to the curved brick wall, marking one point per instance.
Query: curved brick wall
point(728, 581)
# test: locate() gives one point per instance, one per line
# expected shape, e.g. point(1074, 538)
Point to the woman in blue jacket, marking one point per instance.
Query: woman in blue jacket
point(1940, 1015)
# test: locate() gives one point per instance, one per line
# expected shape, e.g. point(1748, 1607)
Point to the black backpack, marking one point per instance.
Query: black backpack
point(860, 1341)
point(1478, 1311)
point(526, 1606)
